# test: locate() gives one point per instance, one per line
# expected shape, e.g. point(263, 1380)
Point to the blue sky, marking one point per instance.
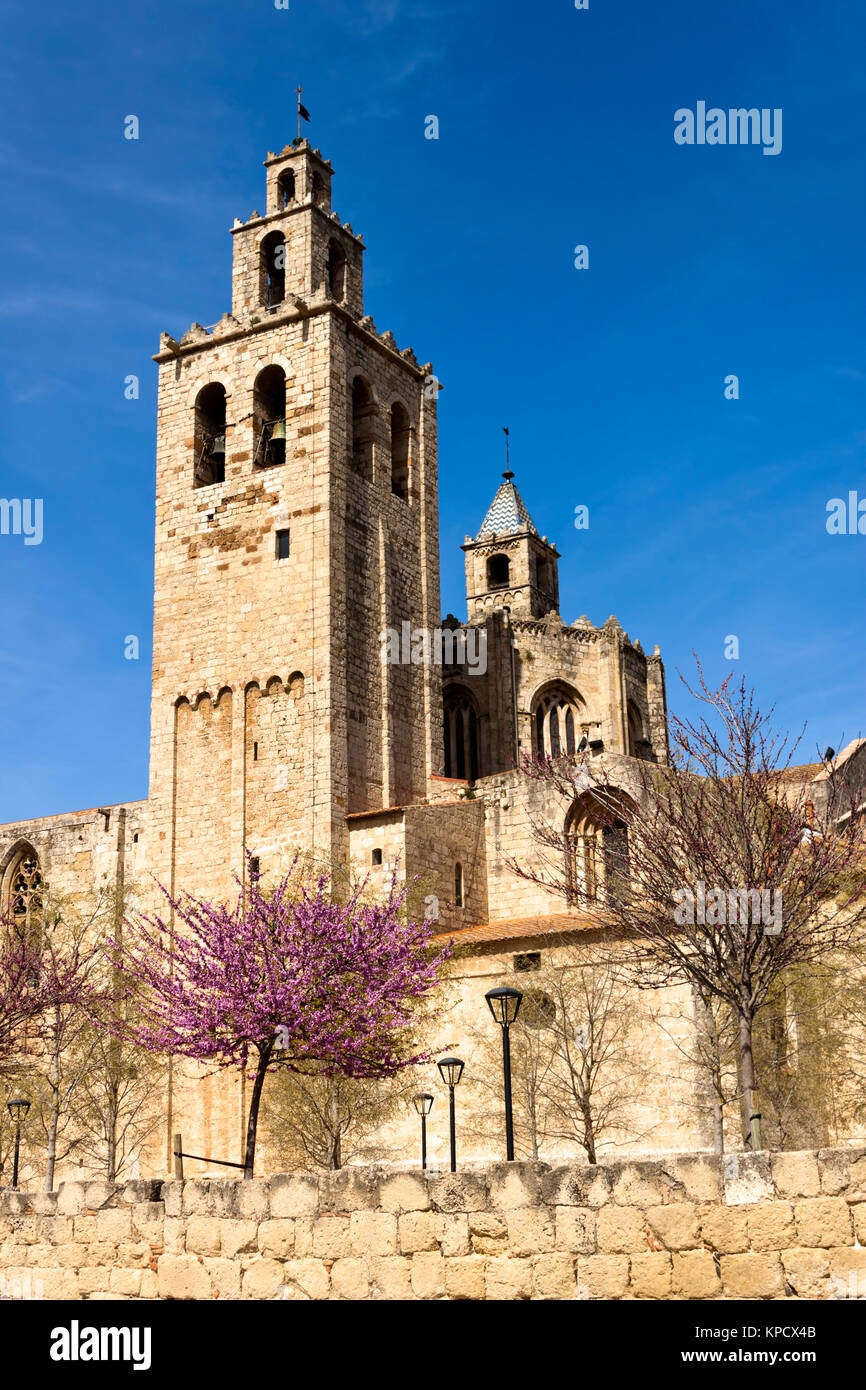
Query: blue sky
point(707, 516)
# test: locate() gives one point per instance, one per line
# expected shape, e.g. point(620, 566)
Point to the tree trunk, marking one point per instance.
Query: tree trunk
point(265, 1052)
point(336, 1156)
point(751, 1119)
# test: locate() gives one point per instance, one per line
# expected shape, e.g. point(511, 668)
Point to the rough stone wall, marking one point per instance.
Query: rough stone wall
point(694, 1227)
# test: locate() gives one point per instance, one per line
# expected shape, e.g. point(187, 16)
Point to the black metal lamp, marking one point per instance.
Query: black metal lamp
point(18, 1114)
point(423, 1103)
point(504, 1004)
point(451, 1070)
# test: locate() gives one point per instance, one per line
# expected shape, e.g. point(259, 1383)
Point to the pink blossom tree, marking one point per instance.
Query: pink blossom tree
point(288, 978)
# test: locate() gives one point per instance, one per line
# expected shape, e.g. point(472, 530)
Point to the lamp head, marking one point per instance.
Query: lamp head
point(18, 1110)
point(451, 1070)
point(423, 1103)
point(504, 1004)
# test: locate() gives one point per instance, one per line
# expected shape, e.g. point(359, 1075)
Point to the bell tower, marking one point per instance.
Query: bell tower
point(508, 565)
point(296, 521)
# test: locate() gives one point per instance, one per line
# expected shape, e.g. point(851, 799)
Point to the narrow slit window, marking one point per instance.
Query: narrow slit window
point(283, 546)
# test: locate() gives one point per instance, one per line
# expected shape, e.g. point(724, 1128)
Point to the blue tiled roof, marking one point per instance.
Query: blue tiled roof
point(507, 511)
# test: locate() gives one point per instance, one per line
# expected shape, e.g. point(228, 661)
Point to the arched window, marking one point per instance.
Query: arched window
point(461, 735)
point(638, 744)
point(336, 279)
point(318, 189)
point(498, 569)
point(269, 416)
point(363, 426)
point(272, 270)
point(401, 431)
point(597, 849)
point(556, 715)
point(210, 435)
point(458, 885)
point(23, 892)
point(286, 188)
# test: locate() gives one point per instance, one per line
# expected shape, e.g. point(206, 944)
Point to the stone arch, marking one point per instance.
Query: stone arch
point(269, 416)
point(209, 434)
point(498, 571)
point(462, 727)
point(638, 744)
point(401, 438)
point(362, 427)
point(272, 269)
point(335, 271)
point(22, 888)
point(557, 713)
point(597, 845)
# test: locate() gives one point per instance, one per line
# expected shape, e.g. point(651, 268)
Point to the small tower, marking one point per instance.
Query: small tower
point(508, 565)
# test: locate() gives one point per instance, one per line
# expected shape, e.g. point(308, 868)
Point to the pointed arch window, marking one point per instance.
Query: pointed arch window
point(460, 726)
point(336, 272)
point(597, 849)
point(286, 188)
point(557, 713)
point(24, 892)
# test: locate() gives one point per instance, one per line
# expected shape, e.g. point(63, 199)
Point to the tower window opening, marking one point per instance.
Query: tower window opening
point(318, 189)
point(283, 547)
point(363, 427)
point(272, 270)
point(498, 571)
point(210, 435)
point(336, 272)
point(286, 188)
point(255, 752)
point(401, 433)
point(458, 885)
point(376, 858)
point(269, 417)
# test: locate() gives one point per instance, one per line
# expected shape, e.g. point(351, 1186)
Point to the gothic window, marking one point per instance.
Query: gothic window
point(555, 721)
point(336, 281)
point(286, 188)
point(461, 735)
point(458, 885)
point(597, 849)
point(272, 270)
point(23, 893)
point(269, 416)
point(498, 572)
point(638, 745)
point(363, 426)
point(210, 435)
point(400, 436)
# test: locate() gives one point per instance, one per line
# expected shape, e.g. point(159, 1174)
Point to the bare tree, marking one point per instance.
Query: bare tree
point(317, 1121)
point(718, 863)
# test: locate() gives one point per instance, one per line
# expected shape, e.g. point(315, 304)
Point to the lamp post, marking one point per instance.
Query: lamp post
point(18, 1113)
point(423, 1104)
point(504, 1005)
point(451, 1070)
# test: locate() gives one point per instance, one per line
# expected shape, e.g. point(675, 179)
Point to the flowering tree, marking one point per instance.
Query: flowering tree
point(286, 978)
point(717, 864)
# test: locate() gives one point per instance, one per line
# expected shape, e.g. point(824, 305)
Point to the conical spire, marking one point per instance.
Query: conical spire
point(507, 511)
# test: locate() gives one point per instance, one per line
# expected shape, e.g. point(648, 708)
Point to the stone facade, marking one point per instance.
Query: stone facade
point(759, 1226)
point(296, 524)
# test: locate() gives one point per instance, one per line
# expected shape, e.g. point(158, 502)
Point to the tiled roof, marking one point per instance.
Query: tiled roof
point(516, 928)
point(507, 511)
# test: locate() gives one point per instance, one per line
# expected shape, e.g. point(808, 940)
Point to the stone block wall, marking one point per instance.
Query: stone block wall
point(763, 1226)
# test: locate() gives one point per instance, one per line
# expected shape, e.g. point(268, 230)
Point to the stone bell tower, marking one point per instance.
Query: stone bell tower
point(296, 519)
point(508, 564)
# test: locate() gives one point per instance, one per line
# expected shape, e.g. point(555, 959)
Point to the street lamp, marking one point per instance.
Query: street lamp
point(451, 1070)
point(423, 1104)
point(505, 1005)
point(18, 1114)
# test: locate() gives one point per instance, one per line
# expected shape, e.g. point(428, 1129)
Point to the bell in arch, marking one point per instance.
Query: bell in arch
point(278, 432)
